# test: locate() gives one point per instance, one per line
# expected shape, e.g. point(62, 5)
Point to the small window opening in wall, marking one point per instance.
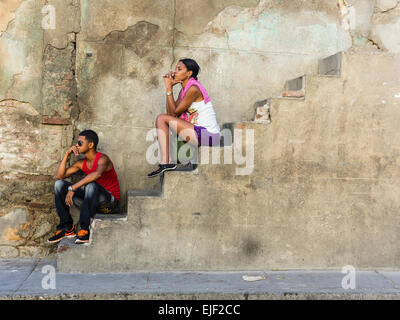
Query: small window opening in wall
point(262, 114)
point(295, 88)
point(330, 66)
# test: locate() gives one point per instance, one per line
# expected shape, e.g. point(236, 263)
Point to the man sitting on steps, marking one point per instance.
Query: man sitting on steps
point(100, 186)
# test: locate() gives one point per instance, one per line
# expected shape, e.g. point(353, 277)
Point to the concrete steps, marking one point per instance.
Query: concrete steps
point(210, 218)
point(162, 230)
point(319, 193)
point(202, 219)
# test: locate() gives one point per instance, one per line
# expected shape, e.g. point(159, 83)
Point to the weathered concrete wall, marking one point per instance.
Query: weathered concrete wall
point(385, 26)
point(37, 105)
point(101, 68)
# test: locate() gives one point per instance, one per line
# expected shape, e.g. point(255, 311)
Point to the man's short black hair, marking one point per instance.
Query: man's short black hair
point(90, 136)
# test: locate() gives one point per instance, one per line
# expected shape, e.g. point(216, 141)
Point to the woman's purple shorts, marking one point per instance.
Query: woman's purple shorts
point(206, 138)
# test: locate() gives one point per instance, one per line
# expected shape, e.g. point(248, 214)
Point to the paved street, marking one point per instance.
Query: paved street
point(37, 279)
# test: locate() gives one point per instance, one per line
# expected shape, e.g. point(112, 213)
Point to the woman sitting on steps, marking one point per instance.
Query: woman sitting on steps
point(191, 116)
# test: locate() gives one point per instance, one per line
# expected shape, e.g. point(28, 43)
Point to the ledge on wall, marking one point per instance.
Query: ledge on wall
point(56, 121)
point(295, 88)
point(330, 66)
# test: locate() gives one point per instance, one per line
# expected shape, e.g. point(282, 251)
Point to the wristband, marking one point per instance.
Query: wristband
point(169, 93)
point(70, 189)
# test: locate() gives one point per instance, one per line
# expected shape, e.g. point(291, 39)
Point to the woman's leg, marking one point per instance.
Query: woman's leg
point(184, 129)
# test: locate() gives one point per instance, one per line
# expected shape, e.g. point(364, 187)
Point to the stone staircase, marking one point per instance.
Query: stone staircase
point(310, 201)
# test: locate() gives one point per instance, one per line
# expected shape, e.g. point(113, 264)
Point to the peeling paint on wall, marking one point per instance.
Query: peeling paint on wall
point(386, 5)
point(386, 28)
point(138, 37)
point(7, 13)
point(21, 55)
point(12, 224)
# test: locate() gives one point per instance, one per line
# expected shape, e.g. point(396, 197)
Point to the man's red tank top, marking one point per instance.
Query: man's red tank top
point(108, 180)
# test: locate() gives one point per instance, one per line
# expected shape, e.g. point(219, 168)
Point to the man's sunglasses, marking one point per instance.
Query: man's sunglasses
point(79, 143)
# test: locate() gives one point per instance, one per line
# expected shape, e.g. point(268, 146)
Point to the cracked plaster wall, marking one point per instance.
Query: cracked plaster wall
point(37, 90)
point(101, 68)
point(386, 27)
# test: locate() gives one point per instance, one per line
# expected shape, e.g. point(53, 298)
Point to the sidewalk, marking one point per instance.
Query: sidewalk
point(22, 279)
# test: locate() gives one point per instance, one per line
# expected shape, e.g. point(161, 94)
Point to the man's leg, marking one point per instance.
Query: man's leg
point(65, 229)
point(94, 195)
point(60, 192)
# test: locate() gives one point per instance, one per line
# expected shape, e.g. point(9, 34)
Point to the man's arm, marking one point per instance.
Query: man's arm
point(62, 171)
point(102, 165)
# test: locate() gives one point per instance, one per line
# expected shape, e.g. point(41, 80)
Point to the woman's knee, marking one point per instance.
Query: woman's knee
point(162, 118)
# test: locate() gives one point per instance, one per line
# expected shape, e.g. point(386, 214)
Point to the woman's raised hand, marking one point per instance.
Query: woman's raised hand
point(169, 79)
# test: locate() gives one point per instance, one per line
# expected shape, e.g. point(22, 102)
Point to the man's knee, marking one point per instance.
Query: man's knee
point(59, 185)
point(91, 188)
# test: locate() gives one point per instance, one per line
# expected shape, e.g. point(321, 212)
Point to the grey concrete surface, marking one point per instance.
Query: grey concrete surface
point(23, 278)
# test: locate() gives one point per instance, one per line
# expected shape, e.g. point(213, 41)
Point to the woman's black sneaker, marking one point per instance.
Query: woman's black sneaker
point(162, 168)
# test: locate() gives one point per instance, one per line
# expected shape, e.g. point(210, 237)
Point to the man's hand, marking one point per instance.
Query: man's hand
point(68, 198)
point(62, 171)
point(73, 149)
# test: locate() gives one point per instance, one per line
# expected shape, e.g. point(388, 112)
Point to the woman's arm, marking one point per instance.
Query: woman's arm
point(175, 109)
point(171, 103)
point(169, 84)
